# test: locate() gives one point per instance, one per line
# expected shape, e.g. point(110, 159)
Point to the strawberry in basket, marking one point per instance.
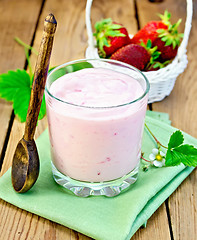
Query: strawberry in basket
point(162, 34)
point(139, 56)
point(149, 31)
point(113, 42)
point(168, 42)
point(110, 36)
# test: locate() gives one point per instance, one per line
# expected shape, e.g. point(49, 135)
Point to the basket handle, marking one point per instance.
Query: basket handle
point(182, 49)
point(188, 24)
point(88, 24)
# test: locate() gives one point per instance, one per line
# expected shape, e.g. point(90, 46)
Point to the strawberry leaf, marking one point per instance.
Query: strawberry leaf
point(11, 82)
point(188, 155)
point(21, 103)
point(168, 42)
point(160, 30)
point(114, 26)
point(164, 38)
point(15, 86)
point(149, 44)
point(185, 154)
point(176, 139)
point(165, 18)
point(173, 44)
point(115, 33)
point(178, 153)
point(172, 158)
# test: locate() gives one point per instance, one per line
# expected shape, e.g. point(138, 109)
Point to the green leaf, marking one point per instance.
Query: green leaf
point(143, 44)
point(172, 158)
point(181, 35)
point(176, 139)
point(11, 82)
point(160, 30)
point(149, 44)
point(114, 26)
point(15, 86)
point(21, 103)
point(174, 44)
point(164, 39)
point(168, 42)
point(187, 154)
point(156, 65)
point(100, 25)
point(114, 33)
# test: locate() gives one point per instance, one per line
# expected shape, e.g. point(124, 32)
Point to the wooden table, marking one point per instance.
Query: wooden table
point(176, 218)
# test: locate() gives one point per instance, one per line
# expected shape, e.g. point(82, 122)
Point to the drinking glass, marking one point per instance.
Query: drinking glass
point(96, 150)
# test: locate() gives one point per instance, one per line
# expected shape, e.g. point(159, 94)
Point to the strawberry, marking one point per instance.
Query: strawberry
point(110, 36)
point(149, 31)
point(168, 41)
point(136, 55)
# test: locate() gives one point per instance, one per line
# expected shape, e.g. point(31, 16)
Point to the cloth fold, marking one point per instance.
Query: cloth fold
point(101, 217)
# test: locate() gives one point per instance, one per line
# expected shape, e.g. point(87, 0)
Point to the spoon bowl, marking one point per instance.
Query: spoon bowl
point(25, 166)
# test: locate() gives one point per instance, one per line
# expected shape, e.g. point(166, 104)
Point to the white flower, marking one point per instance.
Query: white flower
point(157, 157)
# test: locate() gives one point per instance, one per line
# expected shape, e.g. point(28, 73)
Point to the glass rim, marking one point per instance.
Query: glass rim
point(103, 60)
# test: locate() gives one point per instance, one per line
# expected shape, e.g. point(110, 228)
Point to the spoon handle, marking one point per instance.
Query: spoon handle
point(40, 75)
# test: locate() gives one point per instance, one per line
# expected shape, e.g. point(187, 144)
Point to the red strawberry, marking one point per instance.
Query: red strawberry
point(132, 54)
point(110, 36)
point(168, 41)
point(149, 31)
point(136, 55)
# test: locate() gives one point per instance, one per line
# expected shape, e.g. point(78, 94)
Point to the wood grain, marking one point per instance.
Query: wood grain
point(70, 43)
point(5, 115)
point(183, 203)
point(12, 24)
point(71, 36)
point(21, 224)
point(181, 106)
point(157, 227)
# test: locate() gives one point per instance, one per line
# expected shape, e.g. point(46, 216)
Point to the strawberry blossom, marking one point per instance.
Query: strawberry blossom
point(157, 157)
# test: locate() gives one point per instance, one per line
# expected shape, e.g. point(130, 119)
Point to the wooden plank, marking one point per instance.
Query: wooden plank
point(181, 106)
point(157, 227)
point(16, 134)
point(147, 11)
point(14, 24)
point(5, 114)
point(71, 36)
point(183, 203)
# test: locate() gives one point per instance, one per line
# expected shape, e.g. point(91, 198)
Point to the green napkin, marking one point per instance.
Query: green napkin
point(164, 117)
point(101, 217)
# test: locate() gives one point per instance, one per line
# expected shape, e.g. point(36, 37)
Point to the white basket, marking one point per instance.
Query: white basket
point(161, 81)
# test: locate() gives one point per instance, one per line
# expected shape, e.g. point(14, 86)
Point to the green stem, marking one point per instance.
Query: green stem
point(28, 61)
point(157, 141)
point(19, 41)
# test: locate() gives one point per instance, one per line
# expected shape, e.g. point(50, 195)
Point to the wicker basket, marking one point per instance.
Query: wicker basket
point(161, 81)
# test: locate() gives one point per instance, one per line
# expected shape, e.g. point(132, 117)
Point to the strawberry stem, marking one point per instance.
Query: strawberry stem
point(157, 141)
point(19, 41)
point(145, 159)
point(28, 61)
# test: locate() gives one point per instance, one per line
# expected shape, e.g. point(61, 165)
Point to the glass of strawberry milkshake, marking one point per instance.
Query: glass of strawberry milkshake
point(96, 111)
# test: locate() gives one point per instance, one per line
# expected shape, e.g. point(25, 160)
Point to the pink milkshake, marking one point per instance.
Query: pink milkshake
point(96, 119)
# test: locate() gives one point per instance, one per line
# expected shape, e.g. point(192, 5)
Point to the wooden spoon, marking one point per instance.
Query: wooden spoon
point(25, 165)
